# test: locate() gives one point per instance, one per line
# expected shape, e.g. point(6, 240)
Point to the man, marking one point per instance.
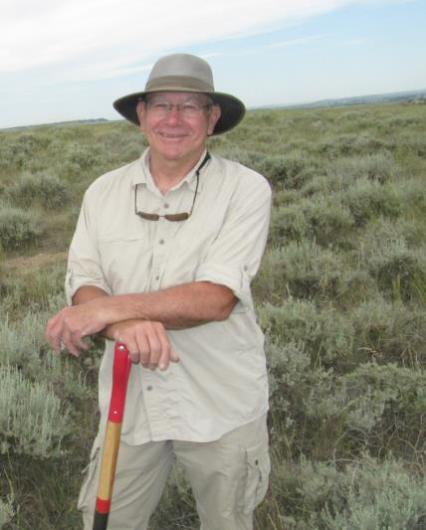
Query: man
point(162, 259)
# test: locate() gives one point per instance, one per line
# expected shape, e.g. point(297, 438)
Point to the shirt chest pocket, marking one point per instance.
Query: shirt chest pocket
point(126, 261)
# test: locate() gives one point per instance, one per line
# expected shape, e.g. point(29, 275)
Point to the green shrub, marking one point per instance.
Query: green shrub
point(389, 332)
point(288, 223)
point(81, 162)
point(42, 188)
point(19, 228)
point(401, 121)
point(413, 195)
point(377, 496)
point(17, 151)
point(321, 219)
point(326, 335)
point(367, 199)
point(368, 494)
point(6, 512)
point(323, 185)
point(285, 198)
point(349, 144)
point(355, 118)
point(373, 407)
point(321, 413)
point(302, 270)
point(378, 167)
point(291, 378)
point(400, 272)
point(31, 418)
point(20, 344)
point(414, 142)
point(382, 232)
point(330, 223)
point(289, 171)
point(32, 289)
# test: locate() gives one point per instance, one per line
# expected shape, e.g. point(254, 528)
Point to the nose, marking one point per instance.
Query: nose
point(174, 114)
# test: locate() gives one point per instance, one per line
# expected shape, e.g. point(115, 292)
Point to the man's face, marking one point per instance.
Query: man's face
point(176, 124)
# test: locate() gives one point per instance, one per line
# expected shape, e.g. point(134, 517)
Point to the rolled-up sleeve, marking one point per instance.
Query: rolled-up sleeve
point(84, 266)
point(235, 255)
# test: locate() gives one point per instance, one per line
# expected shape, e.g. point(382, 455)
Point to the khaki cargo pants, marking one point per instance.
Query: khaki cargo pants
point(229, 478)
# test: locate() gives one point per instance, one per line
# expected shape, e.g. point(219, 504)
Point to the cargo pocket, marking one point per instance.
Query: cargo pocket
point(257, 477)
point(88, 488)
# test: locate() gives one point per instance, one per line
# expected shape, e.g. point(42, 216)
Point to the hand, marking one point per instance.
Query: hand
point(147, 342)
point(67, 328)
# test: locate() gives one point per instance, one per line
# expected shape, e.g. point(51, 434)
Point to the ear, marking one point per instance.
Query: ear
point(214, 116)
point(141, 112)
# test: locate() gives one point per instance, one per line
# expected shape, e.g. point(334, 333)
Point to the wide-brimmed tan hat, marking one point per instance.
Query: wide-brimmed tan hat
point(182, 72)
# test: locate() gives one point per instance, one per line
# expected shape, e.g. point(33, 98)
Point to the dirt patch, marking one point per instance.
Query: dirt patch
point(34, 262)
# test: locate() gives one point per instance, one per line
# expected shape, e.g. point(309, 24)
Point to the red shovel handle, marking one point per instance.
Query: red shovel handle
point(120, 378)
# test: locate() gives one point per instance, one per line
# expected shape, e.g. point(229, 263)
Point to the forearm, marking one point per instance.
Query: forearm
point(176, 307)
point(87, 293)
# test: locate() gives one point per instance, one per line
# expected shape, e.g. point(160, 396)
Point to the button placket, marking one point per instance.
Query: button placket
point(159, 251)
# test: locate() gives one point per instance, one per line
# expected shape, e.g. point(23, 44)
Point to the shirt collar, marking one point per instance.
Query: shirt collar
point(143, 174)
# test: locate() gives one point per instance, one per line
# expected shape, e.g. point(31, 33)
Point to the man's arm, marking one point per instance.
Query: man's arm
point(139, 319)
point(177, 307)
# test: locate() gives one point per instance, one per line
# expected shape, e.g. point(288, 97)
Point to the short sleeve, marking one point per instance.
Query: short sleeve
point(234, 257)
point(84, 266)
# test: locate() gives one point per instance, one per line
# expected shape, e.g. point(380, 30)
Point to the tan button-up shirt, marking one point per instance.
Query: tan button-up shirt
point(220, 382)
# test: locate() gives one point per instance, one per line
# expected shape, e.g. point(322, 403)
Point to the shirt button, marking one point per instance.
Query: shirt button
point(149, 388)
point(157, 278)
point(161, 241)
point(166, 205)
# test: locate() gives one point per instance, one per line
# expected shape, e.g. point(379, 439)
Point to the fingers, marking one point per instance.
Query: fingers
point(73, 343)
point(147, 342)
point(159, 347)
point(62, 335)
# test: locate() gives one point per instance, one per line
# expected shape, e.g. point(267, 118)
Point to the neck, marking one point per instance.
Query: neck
point(168, 173)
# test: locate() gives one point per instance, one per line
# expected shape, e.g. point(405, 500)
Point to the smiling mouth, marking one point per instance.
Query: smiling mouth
point(171, 136)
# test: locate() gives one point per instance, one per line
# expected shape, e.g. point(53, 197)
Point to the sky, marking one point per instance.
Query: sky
point(66, 60)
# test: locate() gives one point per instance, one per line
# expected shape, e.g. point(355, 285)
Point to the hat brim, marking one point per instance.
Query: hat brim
point(232, 108)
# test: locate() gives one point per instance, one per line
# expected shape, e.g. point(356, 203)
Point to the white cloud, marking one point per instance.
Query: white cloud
point(107, 38)
point(295, 42)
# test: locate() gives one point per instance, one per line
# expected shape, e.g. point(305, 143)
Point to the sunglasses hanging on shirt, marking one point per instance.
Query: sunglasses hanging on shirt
point(174, 217)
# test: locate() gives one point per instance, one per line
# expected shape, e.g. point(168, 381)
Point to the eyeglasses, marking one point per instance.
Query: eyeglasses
point(190, 109)
point(174, 217)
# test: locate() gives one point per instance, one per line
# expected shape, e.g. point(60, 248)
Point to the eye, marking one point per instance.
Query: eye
point(159, 105)
point(190, 107)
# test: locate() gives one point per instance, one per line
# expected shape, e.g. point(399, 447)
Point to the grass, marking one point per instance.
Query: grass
point(340, 295)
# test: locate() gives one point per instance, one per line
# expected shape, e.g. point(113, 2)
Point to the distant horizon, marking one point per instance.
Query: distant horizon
point(385, 97)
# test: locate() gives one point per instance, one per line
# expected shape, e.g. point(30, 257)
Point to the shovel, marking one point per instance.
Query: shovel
point(120, 377)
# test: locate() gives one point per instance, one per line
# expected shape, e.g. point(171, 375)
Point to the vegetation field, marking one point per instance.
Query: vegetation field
point(341, 297)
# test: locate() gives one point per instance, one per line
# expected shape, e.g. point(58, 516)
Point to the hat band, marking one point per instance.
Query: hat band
point(178, 82)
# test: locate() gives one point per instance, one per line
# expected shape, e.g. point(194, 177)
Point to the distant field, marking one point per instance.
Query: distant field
point(341, 297)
